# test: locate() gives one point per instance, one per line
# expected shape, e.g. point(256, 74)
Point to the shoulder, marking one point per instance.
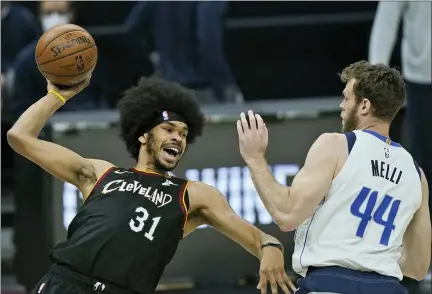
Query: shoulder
point(329, 149)
point(202, 189)
point(331, 138)
point(202, 195)
point(329, 143)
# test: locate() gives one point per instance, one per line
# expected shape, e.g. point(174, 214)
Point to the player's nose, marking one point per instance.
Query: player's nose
point(176, 137)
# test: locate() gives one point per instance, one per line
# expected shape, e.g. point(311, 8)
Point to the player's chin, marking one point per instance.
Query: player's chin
point(169, 163)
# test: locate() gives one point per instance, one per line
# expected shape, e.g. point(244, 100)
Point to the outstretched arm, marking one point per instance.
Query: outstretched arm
point(55, 159)
point(212, 208)
point(290, 206)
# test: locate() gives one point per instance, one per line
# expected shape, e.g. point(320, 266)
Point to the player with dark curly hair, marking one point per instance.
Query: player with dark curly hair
point(143, 106)
point(132, 219)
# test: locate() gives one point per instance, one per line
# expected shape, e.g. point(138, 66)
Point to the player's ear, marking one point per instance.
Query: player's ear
point(365, 106)
point(143, 139)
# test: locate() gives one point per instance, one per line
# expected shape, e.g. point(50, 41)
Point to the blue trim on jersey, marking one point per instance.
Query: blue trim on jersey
point(417, 168)
point(307, 232)
point(304, 244)
point(383, 138)
point(351, 138)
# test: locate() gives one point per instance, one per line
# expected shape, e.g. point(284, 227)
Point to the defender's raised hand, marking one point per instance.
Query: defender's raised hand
point(253, 136)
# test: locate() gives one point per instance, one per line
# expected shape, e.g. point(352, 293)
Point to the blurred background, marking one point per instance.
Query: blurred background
point(280, 59)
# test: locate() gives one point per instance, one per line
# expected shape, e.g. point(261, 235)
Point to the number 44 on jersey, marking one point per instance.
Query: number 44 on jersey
point(376, 216)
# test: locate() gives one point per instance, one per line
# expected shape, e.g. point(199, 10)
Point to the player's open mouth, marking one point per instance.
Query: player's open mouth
point(172, 151)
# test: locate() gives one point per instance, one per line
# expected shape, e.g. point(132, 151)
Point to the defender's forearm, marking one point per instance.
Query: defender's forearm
point(251, 238)
point(275, 196)
point(35, 117)
point(263, 239)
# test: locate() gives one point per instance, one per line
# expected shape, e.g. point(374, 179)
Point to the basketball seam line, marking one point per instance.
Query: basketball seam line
point(67, 55)
point(66, 76)
point(56, 38)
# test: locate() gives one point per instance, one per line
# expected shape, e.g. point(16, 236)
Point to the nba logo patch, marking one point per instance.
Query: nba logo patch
point(165, 115)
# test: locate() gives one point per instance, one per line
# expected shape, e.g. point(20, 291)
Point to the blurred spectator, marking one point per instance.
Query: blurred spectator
point(213, 65)
point(189, 44)
point(28, 82)
point(19, 27)
point(416, 67)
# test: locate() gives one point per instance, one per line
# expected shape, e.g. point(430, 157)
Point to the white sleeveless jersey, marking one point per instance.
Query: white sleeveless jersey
point(361, 222)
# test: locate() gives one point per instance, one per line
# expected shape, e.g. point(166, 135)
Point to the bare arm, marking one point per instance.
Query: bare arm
point(210, 207)
point(416, 256)
point(55, 159)
point(214, 210)
point(291, 206)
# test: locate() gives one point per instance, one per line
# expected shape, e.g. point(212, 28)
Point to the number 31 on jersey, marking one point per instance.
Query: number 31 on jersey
point(377, 216)
point(138, 223)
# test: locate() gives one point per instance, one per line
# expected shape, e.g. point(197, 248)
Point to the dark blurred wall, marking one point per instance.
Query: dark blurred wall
point(89, 11)
point(285, 61)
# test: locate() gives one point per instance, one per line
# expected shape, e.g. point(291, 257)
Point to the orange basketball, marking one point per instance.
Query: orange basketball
point(66, 54)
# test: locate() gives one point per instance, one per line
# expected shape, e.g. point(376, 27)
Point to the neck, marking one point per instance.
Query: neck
point(379, 127)
point(145, 166)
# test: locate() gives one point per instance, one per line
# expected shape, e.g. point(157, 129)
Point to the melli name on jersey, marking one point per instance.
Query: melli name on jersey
point(361, 221)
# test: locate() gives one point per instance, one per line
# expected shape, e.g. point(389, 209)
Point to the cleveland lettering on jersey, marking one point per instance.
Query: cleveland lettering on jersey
point(128, 213)
point(158, 198)
point(385, 171)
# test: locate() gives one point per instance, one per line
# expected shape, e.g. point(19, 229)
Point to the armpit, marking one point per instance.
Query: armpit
point(86, 174)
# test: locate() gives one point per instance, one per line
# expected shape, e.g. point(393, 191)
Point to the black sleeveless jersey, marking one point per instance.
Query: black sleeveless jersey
point(128, 229)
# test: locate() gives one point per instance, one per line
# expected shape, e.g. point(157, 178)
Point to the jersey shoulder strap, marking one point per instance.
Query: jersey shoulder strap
point(351, 138)
point(183, 185)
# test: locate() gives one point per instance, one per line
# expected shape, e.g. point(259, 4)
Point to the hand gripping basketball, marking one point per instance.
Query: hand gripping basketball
point(65, 94)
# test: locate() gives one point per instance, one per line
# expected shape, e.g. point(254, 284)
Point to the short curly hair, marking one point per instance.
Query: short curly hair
point(143, 103)
point(382, 85)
